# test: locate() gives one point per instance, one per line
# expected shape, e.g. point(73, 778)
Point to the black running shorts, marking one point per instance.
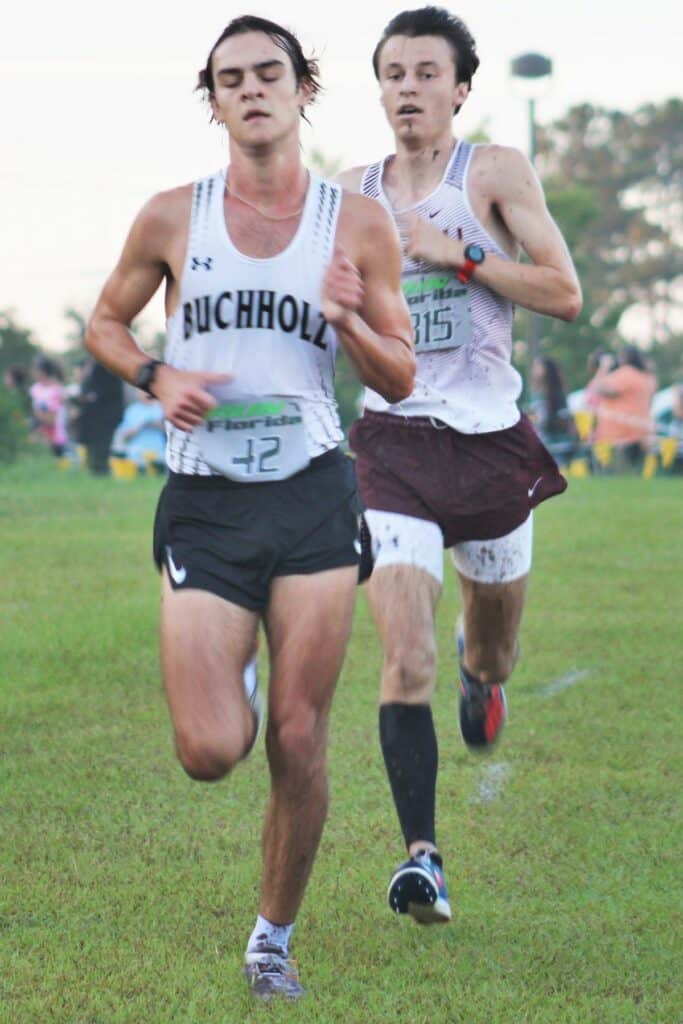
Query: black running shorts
point(232, 538)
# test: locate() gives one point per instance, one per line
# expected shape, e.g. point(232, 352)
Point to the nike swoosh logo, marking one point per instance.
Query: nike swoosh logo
point(178, 575)
point(432, 215)
point(532, 489)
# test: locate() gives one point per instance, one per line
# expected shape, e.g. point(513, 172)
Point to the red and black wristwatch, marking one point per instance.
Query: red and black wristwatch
point(474, 257)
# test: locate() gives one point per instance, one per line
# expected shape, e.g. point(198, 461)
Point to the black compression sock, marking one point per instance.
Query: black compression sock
point(411, 756)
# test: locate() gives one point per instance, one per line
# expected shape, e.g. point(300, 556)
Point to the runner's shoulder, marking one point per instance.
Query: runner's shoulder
point(501, 166)
point(351, 178)
point(168, 208)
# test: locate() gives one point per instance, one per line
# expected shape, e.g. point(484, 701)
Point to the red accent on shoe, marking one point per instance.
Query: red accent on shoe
point(495, 713)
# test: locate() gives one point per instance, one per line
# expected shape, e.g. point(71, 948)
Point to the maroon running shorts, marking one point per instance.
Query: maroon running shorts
point(473, 486)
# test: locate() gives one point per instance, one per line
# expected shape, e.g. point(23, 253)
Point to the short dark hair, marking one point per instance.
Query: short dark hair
point(305, 69)
point(435, 21)
point(49, 367)
point(632, 356)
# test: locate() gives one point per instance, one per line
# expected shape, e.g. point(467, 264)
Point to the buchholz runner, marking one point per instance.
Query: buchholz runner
point(454, 465)
point(268, 269)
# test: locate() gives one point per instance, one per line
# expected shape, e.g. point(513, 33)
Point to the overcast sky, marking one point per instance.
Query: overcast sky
point(98, 112)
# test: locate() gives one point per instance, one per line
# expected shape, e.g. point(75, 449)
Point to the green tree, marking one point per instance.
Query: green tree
point(614, 183)
point(14, 433)
point(17, 347)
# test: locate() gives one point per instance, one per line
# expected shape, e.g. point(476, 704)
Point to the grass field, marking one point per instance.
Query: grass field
point(127, 891)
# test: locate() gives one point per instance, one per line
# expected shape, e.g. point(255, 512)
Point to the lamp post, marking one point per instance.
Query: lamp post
point(534, 71)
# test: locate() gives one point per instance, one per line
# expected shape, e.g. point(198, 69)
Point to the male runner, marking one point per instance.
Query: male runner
point(454, 465)
point(267, 268)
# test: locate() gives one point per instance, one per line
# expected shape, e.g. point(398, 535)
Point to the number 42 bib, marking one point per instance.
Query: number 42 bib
point(254, 439)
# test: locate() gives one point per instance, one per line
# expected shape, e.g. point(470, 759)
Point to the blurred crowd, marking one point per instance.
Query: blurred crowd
point(616, 422)
point(619, 421)
point(93, 417)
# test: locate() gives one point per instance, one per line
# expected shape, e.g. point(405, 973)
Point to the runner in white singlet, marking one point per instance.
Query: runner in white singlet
point(268, 270)
point(454, 465)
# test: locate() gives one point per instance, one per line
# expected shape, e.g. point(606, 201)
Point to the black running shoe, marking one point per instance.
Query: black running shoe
point(418, 888)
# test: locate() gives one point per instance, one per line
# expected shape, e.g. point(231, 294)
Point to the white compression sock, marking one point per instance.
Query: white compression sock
point(266, 933)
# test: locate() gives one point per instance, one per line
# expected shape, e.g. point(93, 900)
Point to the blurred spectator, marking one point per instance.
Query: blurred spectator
point(598, 364)
point(73, 401)
point(48, 404)
point(549, 412)
point(676, 425)
point(101, 408)
point(141, 435)
point(623, 413)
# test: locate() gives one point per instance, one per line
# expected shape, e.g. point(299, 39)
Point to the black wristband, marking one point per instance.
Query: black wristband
point(144, 377)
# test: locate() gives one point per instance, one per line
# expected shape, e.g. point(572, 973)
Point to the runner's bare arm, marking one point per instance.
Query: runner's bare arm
point(142, 267)
point(364, 302)
point(509, 184)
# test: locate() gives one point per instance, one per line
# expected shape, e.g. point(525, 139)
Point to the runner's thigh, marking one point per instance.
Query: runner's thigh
point(205, 644)
point(308, 623)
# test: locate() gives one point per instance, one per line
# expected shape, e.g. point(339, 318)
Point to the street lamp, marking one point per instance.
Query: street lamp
point(533, 71)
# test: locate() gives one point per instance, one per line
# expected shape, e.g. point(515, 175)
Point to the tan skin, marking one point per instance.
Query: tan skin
point(205, 640)
point(419, 92)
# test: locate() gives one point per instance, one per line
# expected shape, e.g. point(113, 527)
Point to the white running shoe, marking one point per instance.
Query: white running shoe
point(254, 696)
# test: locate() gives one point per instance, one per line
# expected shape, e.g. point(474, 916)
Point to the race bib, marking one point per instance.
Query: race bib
point(440, 311)
point(254, 440)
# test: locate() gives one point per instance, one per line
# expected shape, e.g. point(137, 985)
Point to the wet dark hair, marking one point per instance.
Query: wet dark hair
point(305, 69)
point(435, 21)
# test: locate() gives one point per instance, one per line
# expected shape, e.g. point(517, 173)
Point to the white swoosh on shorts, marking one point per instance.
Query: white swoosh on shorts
point(177, 575)
point(532, 489)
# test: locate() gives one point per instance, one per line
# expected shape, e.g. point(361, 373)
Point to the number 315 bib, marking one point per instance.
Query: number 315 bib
point(440, 311)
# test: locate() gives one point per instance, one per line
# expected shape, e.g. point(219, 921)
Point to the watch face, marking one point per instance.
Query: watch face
point(475, 253)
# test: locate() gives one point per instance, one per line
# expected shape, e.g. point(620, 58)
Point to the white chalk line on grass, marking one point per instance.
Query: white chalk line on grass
point(491, 782)
point(570, 678)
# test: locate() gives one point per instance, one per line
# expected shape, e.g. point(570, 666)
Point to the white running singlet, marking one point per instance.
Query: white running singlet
point(258, 320)
point(463, 333)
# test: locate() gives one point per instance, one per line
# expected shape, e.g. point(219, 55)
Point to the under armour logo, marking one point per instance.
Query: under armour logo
point(201, 264)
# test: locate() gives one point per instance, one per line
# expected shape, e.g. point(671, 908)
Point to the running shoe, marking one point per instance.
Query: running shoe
point(483, 706)
point(270, 973)
point(418, 888)
point(253, 694)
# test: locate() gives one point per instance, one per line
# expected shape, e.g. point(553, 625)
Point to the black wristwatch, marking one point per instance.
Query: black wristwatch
point(144, 377)
point(474, 257)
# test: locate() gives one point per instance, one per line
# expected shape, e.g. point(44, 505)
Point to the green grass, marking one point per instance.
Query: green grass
point(127, 892)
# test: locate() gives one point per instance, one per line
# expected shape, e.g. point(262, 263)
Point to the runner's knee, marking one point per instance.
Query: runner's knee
point(209, 758)
point(296, 747)
point(408, 673)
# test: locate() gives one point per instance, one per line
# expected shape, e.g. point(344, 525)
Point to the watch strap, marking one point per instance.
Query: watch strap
point(465, 272)
point(144, 377)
